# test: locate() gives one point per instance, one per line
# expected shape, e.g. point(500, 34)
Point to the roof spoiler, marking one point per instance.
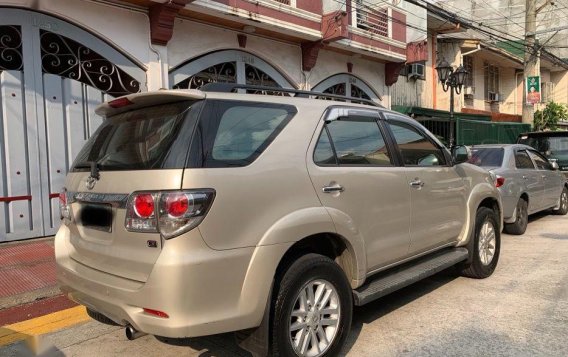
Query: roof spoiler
point(146, 99)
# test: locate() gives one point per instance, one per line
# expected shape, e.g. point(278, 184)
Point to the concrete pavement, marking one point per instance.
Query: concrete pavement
point(521, 310)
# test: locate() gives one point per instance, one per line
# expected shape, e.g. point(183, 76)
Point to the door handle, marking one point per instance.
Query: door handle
point(525, 177)
point(417, 183)
point(333, 188)
point(544, 177)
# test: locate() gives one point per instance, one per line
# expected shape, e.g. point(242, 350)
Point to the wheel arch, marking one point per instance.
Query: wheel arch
point(329, 244)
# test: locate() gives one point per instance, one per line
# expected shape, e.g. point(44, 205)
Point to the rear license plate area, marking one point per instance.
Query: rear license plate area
point(96, 216)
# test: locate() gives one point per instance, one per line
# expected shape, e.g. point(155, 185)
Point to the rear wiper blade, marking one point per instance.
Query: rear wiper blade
point(92, 165)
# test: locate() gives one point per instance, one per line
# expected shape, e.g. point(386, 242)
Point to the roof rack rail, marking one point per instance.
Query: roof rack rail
point(232, 87)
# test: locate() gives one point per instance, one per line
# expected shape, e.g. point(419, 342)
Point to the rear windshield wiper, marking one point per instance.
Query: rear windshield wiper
point(90, 165)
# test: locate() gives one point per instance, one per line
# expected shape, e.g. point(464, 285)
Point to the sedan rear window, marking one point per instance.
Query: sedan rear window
point(487, 157)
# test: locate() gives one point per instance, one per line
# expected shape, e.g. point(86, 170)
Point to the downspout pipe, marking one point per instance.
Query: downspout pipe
point(462, 55)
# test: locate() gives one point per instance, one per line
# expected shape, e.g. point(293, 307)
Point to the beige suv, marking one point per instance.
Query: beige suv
point(192, 213)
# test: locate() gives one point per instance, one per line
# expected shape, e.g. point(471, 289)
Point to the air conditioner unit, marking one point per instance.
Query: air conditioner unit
point(468, 91)
point(494, 97)
point(416, 70)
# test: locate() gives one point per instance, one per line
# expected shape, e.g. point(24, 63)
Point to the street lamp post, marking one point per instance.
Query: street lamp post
point(451, 80)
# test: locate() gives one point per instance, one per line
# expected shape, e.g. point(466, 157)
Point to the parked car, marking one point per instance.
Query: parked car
point(192, 213)
point(527, 181)
point(552, 144)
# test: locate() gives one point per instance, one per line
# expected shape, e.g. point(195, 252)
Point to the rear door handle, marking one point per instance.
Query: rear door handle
point(417, 183)
point(525, 177)
point(333, 188)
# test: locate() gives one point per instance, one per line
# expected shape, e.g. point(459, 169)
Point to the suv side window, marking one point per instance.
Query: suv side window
point(522, 160)
point(354, 141)
point(235, 133)
point(416, 149)
point(540, 161)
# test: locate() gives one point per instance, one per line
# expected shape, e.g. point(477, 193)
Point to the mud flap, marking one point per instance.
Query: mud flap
point(257, 340)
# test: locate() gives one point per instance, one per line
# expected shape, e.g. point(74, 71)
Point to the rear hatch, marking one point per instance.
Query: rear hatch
point(144, 149)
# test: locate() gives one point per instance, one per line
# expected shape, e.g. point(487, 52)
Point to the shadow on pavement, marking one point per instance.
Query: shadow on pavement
point(375, 310)
point(223, 345)
point(18, 344)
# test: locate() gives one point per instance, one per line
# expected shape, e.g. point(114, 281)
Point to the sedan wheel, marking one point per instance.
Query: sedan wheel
point(563, 206)
point(520, 225)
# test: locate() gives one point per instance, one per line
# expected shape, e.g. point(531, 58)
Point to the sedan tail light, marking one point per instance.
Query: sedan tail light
point(499, 181)
point(170, 213)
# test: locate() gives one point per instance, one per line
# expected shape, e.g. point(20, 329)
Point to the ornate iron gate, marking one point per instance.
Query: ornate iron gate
point(52, 76)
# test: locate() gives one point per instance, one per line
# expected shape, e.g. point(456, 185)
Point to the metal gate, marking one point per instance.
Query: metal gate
point(52, 76)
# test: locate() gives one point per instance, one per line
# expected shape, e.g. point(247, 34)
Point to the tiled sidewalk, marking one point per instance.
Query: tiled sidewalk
point(28, 286)
point(25, 267)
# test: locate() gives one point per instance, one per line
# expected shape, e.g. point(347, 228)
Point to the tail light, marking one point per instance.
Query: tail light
point(169, 213)
point(499, 181)
point(64, 206)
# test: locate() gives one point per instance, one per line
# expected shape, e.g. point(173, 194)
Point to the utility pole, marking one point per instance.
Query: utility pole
point(532, 58)
point(532, 52)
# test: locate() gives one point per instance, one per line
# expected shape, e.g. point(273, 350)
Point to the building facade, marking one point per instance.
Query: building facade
point(59, 59)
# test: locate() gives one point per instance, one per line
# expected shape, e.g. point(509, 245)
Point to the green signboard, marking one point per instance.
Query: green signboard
point(533, 89)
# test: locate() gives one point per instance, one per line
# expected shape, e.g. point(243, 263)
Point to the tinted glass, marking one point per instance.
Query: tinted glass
point(147, 138)
point(487, 157)
point(540, 161)
point(358, 141)
point(523, 161)
point(235, 133)
point(551, 147)
point(416, 149)
point(323, 155)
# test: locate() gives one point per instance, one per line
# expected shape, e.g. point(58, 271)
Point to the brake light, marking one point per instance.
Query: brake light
point(144, 205)
point(169, 213)
point(64, 207)
point(120, 102)
point(140, 213)
point(177, 204)
point(499, 181)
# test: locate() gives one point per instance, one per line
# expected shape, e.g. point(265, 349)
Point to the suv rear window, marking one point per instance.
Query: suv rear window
point(487, 157)
point(146, 138)
point(235, 133)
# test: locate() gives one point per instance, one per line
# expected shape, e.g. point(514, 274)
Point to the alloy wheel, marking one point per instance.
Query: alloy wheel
point(314, 320)
point(487, 242)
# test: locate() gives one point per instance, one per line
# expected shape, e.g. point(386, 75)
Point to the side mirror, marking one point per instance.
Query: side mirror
point(461, 154)
point(554, 164)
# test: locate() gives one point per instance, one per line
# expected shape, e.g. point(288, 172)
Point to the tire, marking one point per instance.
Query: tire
point(97, 316)
point(486, 235)
point(316, 273)
point(520, 225)
point(563, 209)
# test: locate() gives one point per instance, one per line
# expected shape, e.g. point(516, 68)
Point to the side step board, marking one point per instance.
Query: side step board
point(385, 283)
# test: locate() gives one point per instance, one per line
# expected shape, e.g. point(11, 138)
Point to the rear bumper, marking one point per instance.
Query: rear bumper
point(202, 290)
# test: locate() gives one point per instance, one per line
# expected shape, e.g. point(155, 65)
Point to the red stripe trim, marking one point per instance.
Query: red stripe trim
point(54, 195)
point(15, 198)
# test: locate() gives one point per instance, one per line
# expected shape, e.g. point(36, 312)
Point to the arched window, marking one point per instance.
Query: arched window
point(346, 84)
point(230, 66)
